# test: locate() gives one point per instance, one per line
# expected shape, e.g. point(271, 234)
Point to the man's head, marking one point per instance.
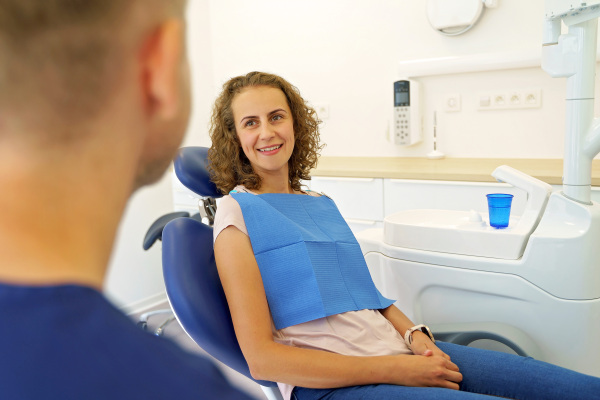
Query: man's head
point(71, 69)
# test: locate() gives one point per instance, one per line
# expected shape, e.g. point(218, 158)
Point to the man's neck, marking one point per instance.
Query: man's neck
point(57, 223)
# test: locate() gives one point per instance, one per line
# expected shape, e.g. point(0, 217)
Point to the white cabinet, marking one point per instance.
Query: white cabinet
point(360, 200)
point(596, 194)
point(356, 198)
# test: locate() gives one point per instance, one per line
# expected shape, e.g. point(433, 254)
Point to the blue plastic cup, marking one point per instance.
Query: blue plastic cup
point(499, 209)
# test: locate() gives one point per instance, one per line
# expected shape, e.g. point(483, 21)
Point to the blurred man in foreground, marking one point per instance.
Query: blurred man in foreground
point(94, 101)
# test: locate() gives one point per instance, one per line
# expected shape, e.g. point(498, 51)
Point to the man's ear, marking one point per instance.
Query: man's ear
point(161, 59)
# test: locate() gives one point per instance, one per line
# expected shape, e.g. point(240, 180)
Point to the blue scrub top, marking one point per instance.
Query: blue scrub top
point(68, 342)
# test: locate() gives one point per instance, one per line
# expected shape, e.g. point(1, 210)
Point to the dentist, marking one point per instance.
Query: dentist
point(94, 102)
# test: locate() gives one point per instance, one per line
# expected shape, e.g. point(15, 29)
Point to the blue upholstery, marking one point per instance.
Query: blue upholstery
point(155, 231)
point(191, 278)
point(191, 168)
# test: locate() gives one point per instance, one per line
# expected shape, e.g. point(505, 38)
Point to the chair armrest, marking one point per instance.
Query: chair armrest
point(154, 233)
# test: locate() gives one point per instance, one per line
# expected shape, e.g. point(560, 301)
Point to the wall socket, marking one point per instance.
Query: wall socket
point(510, 99)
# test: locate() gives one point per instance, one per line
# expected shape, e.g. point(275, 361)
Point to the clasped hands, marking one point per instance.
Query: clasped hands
point(433, 367)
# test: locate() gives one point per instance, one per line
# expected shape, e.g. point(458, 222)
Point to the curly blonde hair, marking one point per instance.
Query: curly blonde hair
point(228, 164)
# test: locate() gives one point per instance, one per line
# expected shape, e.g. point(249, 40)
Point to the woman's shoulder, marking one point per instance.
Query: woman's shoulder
point(228, 203)
point(228, 213)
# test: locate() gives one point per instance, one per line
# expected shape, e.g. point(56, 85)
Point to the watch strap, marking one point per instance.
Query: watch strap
point(408, 338)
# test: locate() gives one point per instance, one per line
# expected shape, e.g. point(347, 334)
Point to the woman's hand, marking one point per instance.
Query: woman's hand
point(429, 371)
point(430, 365)
point(423, 346)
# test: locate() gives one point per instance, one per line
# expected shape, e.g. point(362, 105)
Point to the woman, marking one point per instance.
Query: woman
point(270, 234)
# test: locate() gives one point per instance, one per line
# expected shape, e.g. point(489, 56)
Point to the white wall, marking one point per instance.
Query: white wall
point(134, 279)
point(345, 53)
point(201, 65)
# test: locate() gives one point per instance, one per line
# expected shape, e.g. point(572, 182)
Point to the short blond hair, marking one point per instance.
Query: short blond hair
point(62, 56)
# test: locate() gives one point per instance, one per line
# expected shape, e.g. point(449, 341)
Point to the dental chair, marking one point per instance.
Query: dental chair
point(192, 282)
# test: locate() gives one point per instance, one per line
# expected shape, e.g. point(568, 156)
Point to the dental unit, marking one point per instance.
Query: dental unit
point(534, 286)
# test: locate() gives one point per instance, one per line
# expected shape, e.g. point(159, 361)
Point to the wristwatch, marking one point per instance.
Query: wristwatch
point(408, 338)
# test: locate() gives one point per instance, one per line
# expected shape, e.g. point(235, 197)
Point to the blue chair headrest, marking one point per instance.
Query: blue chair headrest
point(191, 168)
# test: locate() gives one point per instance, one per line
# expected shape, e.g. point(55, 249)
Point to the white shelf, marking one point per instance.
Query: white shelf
point(469, 63)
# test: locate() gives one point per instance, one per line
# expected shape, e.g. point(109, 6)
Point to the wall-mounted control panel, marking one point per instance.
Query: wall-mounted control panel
point(407, 116)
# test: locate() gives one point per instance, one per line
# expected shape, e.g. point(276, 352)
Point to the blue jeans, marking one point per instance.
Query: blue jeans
point(485, 373)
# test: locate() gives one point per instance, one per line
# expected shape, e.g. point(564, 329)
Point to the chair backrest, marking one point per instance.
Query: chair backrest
point(191, 278)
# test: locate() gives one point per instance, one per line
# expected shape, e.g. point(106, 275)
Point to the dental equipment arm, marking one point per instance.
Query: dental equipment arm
point(537, 194)
point(573, 56)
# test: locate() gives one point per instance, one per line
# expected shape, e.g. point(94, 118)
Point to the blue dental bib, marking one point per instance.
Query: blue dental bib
point(310, 262)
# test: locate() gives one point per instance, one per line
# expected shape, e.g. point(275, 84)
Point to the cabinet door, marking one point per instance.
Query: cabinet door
point(356, 198)
point(595, 194)
point(400, 194)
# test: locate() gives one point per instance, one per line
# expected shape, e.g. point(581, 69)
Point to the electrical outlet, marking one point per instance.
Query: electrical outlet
point(499, 100)
point(511, 99)
point(532, 98)
point(515, 99)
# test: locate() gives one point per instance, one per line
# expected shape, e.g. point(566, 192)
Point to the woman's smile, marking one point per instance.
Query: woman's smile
point(270, 150)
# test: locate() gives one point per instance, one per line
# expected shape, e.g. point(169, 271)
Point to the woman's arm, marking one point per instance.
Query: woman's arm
point(421, 344)
point(272, 361)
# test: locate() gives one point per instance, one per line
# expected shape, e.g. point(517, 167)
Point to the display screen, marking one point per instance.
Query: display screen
point(401, 98)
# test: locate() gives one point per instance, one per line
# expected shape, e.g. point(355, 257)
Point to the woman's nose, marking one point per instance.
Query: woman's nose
point(266, 131)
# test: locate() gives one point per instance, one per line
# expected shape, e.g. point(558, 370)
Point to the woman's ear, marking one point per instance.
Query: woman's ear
point(162, 59)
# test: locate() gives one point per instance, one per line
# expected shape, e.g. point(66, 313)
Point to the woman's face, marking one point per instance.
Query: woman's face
point(265, 128)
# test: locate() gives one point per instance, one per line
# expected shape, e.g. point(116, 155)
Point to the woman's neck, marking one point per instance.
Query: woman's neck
point(269, 187)
point(274, 184)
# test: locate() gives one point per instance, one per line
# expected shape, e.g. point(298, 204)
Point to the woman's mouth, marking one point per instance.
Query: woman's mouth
point(271, 148)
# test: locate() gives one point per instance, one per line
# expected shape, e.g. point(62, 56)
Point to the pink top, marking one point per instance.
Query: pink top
point(353, 333)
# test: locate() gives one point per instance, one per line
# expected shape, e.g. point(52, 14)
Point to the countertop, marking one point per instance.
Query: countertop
point(446, 169)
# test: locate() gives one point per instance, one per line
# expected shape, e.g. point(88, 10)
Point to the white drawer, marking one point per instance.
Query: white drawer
point(356, 198)
point(400, 194)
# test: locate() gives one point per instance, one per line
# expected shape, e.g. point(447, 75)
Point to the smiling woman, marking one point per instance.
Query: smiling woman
point(305, 310)
point(254, 113)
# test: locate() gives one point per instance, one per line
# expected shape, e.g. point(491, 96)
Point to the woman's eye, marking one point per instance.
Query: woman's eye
point(277, 117)
point(250, 123)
